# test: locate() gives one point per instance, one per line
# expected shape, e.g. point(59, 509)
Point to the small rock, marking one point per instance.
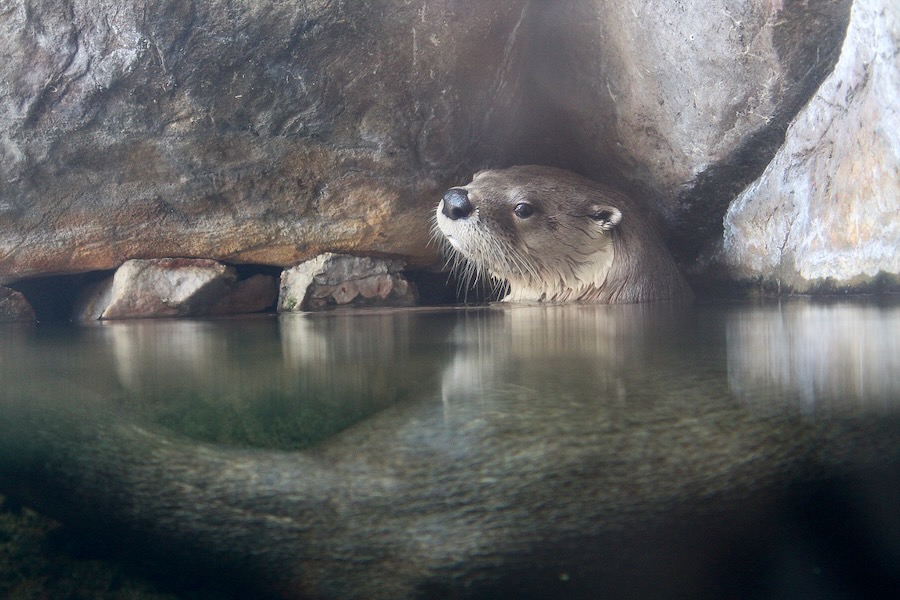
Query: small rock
point(331, 280)
point(165, 287)
point(14, 307)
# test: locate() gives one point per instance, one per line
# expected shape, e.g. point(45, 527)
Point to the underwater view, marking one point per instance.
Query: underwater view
point(740, 450)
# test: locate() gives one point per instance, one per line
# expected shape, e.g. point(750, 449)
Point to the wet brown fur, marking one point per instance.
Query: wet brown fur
point(563, 252)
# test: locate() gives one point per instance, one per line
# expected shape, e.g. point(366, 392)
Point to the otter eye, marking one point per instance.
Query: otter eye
point(523, 210)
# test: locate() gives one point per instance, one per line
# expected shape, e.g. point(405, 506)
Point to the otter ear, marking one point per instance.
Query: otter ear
point(606, 217)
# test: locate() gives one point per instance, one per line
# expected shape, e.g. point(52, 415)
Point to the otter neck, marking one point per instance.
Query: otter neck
point(585, 282)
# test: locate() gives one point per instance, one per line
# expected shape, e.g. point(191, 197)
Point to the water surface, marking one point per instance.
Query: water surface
point(481, 451)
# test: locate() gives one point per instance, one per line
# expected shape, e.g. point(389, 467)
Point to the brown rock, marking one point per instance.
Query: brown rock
point(170, 287)
point(332, 280)
point(14, 306)
point(261, 133)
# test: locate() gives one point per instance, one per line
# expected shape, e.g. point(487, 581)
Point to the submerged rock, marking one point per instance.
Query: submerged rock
point(519, 452)
point(173, 287)
point(331, 280)
point(14, 306)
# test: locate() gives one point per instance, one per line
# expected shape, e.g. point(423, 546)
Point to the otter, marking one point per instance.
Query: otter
point(555, 236)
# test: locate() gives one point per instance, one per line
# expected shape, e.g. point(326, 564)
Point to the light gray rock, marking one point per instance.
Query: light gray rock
point(171, 287)
point(826, 212)
point(331, 280)
point(14, 307)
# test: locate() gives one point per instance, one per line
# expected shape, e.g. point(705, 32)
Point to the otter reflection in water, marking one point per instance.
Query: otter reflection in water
point(554, 236)
point(564, 451)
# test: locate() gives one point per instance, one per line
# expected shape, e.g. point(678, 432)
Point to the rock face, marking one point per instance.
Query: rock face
point(826, 212)
point(268, 133)
point(332, 280)
point(14, 306)
point(681, 104)
point(263, 132)
point(174, 288)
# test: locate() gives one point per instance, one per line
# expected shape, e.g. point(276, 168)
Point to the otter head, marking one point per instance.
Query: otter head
point(549, 233)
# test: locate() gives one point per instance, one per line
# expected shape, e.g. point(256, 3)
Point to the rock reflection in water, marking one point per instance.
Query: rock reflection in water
point(641, 451)
point(818, 353)
point(336, 357)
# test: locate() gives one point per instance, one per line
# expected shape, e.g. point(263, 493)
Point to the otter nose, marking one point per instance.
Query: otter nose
point(456, 204)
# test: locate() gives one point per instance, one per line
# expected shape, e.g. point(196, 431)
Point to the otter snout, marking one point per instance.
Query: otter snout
point(456, 204)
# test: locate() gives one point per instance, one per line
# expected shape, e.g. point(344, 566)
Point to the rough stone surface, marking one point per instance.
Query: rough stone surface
point(270, 132)
point(332, 280)
point(827, 209)
point(14, 307)
point(157, 288)
point(682, 104)
point(254, 132)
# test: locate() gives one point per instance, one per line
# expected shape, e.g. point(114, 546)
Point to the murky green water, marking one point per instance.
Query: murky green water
point(477, 452)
